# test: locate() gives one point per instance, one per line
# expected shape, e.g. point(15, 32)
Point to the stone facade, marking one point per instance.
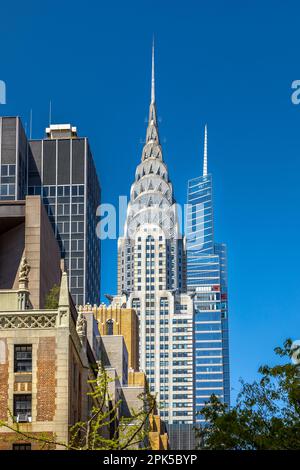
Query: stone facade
point(25, 228)
point(124, 322)
point(119, 352)
point(56, 382)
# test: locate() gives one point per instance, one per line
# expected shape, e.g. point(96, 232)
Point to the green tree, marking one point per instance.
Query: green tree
point(105, 429)
point(266, 415)
point(52, 298)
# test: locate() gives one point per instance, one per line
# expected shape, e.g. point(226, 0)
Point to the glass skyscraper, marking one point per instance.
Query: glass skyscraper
point(13, 159)
point(61, 170)
point(207, 279)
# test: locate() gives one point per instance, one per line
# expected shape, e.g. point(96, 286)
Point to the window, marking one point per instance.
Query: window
point(110, 327)
point(21, 447)
point(23, 358)
point(22, 408)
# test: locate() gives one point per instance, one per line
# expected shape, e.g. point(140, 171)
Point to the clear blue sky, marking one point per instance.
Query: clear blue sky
point(227, 63)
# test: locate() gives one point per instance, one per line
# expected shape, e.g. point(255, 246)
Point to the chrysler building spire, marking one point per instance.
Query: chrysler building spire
point(152, 130)
point(205, 152)
point(153, 76)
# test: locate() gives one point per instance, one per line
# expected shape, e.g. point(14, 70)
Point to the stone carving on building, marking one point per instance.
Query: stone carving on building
point(81, 326)
point(27, 321)
point(24, 270)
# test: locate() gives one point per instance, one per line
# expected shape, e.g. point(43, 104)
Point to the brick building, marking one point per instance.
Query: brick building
point(45, 363)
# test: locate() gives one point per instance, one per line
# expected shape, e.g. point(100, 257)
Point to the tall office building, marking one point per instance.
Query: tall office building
point(207, 278)
point(61, 170)
point(13, 159)
point(151, 280)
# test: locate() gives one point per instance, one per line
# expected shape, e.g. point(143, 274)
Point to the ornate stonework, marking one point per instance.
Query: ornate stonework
point(28, 320)
point(24, 270)
point(81, 326)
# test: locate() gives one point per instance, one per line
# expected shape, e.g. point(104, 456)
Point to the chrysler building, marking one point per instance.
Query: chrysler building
point(151, 279)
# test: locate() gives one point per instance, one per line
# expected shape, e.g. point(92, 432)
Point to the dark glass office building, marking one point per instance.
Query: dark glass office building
point(61, 169)
point(13, 159)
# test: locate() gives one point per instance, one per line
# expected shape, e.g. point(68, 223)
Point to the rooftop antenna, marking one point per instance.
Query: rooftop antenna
point(205, 152)
point(152, 75)
point(30, 125)
point(50, 113)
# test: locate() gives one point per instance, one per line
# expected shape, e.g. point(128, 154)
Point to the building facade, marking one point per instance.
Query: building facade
point(25, 229)
point(207, 280)
point(61, 170)
point(119, 354)
point(120, 321)
point(151, 280)
point(45, 365)
point(13, 159)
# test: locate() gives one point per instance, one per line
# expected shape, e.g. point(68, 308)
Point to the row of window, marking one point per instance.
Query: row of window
point(53, 191)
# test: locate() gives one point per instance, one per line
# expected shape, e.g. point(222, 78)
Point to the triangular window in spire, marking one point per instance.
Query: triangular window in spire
point(150, 187)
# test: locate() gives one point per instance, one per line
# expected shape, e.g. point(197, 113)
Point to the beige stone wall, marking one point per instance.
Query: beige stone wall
point(33, 236)
point(125, 323)
point(116, 355)
point(137, 378)
point(131, 399)
point(50, 258)
point(42, 251)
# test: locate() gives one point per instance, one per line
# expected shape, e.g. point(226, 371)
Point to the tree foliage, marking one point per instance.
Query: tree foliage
point(266, 414)
point(52, 298)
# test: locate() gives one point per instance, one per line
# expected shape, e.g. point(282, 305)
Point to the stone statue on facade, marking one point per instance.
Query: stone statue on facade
point(81, 326)
point(24, 270)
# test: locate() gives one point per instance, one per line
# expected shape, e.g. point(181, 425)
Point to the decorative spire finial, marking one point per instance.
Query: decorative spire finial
point(205, 152)
point(153, 75)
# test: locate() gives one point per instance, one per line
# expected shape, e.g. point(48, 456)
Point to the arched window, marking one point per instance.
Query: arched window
point(110, 327)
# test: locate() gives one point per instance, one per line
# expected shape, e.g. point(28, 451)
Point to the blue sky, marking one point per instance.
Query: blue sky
point(228, 63)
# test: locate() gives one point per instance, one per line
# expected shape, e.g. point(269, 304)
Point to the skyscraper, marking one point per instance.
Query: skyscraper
point(13, 159)
point(207, 278)
point(61, 170)
point(151, 279)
